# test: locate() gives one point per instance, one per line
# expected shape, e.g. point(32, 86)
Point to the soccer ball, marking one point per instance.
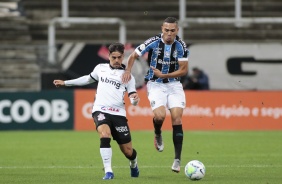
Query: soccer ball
point(195, 170)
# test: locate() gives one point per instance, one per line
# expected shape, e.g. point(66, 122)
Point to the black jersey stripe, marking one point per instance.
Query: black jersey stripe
point(93, 78)
point(184, 46)
point(160, 55)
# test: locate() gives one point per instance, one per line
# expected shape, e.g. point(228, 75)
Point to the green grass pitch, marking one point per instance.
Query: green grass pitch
point(39, 157)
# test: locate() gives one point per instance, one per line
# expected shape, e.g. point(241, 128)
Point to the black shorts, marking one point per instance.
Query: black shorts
point(118, 125)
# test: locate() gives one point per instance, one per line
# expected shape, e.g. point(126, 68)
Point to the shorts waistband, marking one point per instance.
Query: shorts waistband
point(153, 80)
point(156, 81)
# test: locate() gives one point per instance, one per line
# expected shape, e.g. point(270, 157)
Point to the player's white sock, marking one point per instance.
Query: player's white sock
point(133, 163)
point(106, 154)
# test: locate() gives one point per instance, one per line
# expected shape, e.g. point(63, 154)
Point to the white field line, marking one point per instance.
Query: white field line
point(146, 166)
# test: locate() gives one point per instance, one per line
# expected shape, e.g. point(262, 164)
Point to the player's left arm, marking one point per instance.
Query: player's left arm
point(182, 55)
point(132, 92)
point(182, 70)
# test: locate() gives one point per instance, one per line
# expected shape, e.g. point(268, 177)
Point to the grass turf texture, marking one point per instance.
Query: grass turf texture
point(74, 157)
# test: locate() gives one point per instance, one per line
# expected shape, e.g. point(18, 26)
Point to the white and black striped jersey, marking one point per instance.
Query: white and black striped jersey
point(163, 57)
point(110, 90)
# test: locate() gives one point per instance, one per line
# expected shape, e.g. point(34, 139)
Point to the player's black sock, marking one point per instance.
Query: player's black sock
point(133, 156)
point(105, 142)
point(133, 159)
point(177, 140)
point(157, 126)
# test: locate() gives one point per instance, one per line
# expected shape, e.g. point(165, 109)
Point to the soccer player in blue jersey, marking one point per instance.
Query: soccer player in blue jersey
point(108, 110)
point(168, 60)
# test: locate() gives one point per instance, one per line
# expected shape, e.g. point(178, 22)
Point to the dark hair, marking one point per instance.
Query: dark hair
point(116, 47)
point(171, 20)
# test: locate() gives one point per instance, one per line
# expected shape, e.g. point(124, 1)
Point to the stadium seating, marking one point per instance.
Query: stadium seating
point(24, 29)
point(143, 19)
point(19, 69)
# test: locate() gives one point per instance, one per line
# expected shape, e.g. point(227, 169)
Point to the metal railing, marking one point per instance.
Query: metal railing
point(238, 20)
point(65, 20)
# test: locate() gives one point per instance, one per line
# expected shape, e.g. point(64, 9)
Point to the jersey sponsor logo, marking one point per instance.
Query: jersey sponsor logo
point(150, 40)
point(111, 81)
point(183, 43)
point(110, 109)
point(166, 62)
point(184, 46)
point(122, 129)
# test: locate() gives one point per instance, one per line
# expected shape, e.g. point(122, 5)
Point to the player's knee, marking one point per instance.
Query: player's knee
point(105, 134)
point(159, 115)
point(177, 121)
point(104, 131)
point(159, 119)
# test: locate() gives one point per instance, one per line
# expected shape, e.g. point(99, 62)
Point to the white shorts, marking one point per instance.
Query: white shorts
point(169, 94)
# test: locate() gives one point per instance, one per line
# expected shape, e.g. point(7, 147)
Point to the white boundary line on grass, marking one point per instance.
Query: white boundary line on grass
point(95, 167)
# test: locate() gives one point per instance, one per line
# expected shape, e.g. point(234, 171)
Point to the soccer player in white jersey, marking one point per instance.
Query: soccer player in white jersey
point(108, 110)
point(168, 60)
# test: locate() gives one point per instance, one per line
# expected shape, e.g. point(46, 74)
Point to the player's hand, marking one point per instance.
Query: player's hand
point(134, 96)
point(126, 76)
point(134, 99)
point(157, 72)
point(59, 83)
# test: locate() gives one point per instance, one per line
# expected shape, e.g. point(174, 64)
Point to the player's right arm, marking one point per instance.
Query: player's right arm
point(81, 81)
point(139, 51)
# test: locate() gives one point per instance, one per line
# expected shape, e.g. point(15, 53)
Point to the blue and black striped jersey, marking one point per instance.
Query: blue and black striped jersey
point(163, 57)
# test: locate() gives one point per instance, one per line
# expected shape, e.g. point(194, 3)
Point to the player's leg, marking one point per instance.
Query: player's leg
point(159, 117)
point(177, 136)
point(131, 154)
point(158, 99)
point(176, 104)
point(121, 133)
point(102, 126)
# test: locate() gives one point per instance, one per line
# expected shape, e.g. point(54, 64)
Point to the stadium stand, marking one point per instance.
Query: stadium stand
point(24, 29)
point(19, 69)
point(143, 19)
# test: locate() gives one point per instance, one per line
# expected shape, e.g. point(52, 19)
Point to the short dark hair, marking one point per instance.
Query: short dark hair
point(116, 47)
point(171, 20)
